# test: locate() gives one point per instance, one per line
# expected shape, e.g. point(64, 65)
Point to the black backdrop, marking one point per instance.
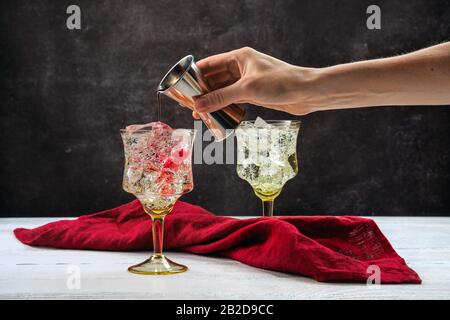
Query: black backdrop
point(65, 95)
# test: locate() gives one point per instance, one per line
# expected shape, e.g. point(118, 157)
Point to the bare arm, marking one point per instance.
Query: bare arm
point(418, 78)
point(246, 75)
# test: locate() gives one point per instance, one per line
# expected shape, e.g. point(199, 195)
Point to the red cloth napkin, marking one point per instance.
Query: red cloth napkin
point(324, 248)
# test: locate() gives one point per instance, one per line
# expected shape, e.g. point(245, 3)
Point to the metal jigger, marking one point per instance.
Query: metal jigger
point(183, 82)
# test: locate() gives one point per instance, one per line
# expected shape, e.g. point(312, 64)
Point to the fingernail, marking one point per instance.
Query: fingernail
point(201, 104)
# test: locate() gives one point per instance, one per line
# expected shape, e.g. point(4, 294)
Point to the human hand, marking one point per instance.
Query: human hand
point(248, 76)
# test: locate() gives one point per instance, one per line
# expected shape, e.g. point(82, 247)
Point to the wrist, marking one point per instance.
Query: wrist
point(318, 89)
point(307, 88)
point(337, 88)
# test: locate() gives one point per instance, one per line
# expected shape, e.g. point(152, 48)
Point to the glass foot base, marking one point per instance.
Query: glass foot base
point(157, 265)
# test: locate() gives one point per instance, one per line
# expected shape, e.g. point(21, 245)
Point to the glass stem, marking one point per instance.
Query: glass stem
point(158, 235)
point(267, 208)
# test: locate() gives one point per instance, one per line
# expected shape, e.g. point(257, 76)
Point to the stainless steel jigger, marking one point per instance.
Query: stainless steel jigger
point(183, 82)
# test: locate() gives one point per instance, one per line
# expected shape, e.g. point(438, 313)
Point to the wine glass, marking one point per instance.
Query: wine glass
point(158, 171)
point(267, 157)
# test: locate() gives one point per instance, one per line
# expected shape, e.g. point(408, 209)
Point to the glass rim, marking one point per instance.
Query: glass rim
point(147, 130)
point(274, 122)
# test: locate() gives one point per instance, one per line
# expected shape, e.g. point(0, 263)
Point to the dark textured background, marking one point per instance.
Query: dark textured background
point(65, 95)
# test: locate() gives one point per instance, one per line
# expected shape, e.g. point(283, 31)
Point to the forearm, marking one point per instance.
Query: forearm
point(418, 78)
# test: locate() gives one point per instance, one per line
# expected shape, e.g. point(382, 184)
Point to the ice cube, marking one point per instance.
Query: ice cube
point(149, 179)
point(149, 182)
point(260, 123)
point(179, 154)
point(134, 174)
point(159, 126)
point(157, 143)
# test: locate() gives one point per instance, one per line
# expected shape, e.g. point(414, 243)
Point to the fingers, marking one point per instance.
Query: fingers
point(216, 63)
point(219, 98)
point(223, 74)
point(195, 115)
point(227, 61)
point(220, 80)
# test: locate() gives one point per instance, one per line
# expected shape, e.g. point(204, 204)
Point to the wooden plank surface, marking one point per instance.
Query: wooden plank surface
point(39, 273)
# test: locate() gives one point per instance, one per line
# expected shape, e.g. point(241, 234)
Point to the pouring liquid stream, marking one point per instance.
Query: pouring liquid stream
point(158, 99)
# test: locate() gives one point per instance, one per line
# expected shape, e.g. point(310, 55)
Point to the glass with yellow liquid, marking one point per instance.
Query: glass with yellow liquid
point(267, 157)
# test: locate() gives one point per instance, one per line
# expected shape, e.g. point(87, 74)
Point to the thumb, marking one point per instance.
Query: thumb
point(219, 98)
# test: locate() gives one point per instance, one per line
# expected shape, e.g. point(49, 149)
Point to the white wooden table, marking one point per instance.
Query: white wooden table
point(27, 272)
